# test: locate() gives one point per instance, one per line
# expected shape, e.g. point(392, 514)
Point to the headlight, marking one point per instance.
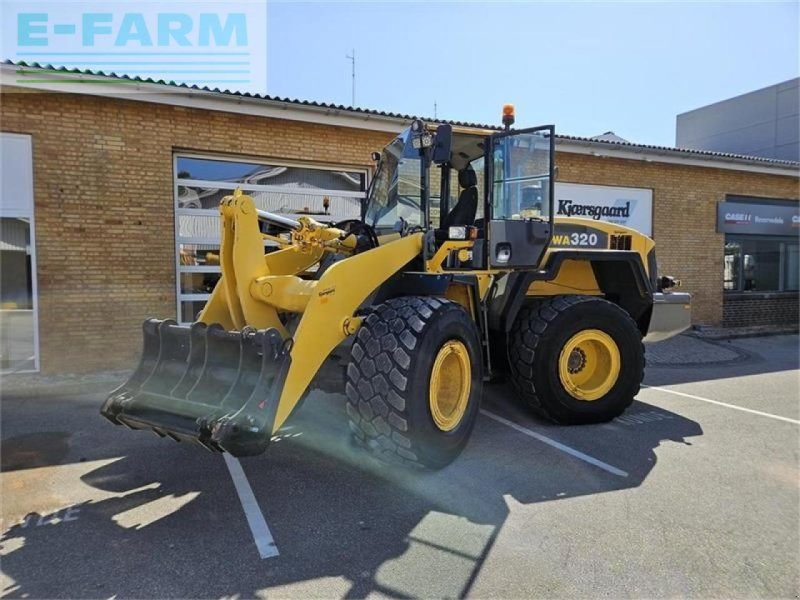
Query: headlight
point(457, 233)
point(423, 141)
point(503, 253)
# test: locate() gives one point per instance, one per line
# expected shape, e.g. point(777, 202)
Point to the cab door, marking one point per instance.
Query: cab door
point(520, 196)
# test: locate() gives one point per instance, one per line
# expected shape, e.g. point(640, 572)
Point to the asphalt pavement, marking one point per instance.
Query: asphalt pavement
point(694, 492)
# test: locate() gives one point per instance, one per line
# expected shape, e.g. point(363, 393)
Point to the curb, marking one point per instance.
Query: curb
point(741, 356)
point(734, 333)
point(674, 358)
point(32, 385)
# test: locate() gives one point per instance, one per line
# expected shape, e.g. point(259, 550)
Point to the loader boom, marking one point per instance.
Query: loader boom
point(254, 287)
point(234, 377)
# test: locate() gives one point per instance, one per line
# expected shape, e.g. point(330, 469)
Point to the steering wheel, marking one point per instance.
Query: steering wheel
point(358, 227)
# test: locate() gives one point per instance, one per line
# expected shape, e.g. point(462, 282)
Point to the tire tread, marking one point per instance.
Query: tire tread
point(533, 321)
point(385, 344)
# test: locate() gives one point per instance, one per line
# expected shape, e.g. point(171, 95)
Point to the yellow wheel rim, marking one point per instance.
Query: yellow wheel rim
point(589, 364)
point(451, 379)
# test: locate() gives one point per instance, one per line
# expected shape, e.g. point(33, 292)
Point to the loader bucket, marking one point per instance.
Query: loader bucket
point(205, 384)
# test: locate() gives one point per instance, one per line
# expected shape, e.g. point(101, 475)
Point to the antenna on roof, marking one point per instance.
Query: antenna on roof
point(435, 116)
point(352, 58)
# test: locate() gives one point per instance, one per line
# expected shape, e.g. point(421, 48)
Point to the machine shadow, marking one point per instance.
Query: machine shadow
point(333, 511)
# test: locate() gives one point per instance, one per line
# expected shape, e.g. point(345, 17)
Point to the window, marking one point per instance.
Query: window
point(732, 265)
point(522, 176)
point(18, 297)
point(456, 189)
point(397, 192)
point(760, 264)
point(293, 190)
point(791, 266)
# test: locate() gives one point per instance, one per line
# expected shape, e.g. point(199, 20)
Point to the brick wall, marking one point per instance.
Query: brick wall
point(105, 219)
point(103, 192)
point(747, 310)
point(684, 215)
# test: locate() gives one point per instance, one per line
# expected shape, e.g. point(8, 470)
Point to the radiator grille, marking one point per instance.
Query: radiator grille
point(620, 242)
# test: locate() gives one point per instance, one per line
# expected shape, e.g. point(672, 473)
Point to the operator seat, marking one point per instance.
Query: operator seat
point(466, 208)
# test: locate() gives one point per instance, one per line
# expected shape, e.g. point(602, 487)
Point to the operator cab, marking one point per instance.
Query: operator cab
point(495, 189)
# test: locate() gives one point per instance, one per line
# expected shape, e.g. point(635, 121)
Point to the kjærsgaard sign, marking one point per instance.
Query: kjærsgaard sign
point(632, 207)
point(211, 44)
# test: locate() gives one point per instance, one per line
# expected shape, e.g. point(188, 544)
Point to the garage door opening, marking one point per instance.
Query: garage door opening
point(19, 339)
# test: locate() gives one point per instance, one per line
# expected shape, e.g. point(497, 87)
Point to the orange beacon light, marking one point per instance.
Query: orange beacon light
point(508, 115)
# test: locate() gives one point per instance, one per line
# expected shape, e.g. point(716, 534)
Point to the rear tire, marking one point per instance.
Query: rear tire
point(401, 344)
point(554, 340)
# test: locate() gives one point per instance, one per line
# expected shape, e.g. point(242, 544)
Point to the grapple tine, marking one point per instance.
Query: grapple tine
point(149, 354)
point(147, 362)
point(220, 366)
point(205, 384)
point(242, 432)
point(173, 352)
point(197, 357)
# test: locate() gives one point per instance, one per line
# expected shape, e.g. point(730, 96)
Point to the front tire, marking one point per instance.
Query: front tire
point(576, 359)
point(414, 381)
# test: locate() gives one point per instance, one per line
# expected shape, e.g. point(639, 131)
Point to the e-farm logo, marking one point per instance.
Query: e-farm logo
point(214, 44)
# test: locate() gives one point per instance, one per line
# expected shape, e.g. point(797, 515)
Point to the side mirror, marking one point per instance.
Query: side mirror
point(441, 148)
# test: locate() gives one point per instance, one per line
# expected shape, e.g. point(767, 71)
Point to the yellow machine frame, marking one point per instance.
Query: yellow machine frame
point(255, 288)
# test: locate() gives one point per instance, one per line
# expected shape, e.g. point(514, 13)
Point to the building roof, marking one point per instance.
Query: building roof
point(234, 93)
point(603, 145)
point(609, 136)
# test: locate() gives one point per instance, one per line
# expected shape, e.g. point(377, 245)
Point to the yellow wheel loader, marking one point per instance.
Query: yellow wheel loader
point(411, 308)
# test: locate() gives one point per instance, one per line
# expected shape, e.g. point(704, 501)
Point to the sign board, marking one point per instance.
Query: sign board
point(758, 218)
point(632, 207)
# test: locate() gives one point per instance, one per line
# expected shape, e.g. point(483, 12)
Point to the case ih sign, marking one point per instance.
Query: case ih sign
point(758, 218)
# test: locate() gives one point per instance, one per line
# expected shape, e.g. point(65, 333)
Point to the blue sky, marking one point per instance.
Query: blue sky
point(587, 67)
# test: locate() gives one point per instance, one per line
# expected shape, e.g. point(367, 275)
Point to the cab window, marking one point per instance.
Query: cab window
point(521, 176)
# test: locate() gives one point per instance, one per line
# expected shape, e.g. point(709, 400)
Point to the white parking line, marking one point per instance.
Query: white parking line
point(725, 404)
point(255, 518)
point(557, 445)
